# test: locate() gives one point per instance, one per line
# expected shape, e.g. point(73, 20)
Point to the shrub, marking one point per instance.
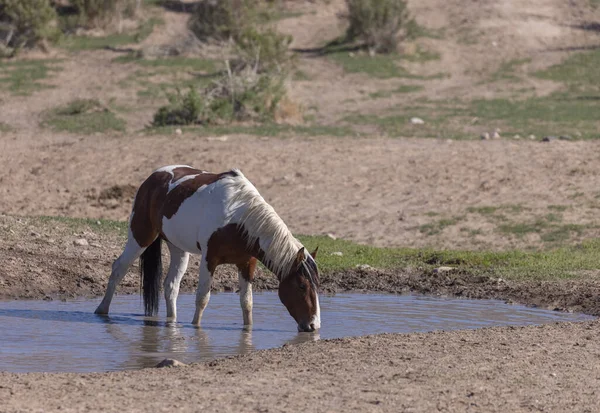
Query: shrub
point(183, 109)
point(379, 24)
point(24, 23)
point(266, 49)
point(103, 12)
point(220, 19)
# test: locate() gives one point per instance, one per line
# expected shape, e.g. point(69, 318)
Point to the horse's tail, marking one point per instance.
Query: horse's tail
point(150, 276)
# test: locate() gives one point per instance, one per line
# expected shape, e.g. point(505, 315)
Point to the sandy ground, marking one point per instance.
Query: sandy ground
point(377, 191)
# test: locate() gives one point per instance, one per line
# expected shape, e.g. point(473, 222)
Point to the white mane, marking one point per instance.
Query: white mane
point(249, 209)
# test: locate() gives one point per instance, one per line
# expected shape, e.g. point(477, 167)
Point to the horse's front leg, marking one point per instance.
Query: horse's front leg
point(246, 276)
point(203, 291)
point(177, 267)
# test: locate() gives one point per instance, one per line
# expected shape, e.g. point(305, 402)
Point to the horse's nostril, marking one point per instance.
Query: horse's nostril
point(312, 327)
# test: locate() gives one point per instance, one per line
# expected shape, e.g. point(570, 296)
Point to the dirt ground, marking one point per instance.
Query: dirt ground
point(385, 192)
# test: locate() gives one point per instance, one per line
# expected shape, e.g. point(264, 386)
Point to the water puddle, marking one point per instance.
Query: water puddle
point(55, 336)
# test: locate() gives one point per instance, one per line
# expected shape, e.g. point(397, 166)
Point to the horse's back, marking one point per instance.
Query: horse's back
point(182, 204)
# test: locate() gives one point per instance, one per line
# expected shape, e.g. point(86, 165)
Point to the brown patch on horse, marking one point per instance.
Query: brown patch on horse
point(146, 222)
point(186, 189)
point(182, 171)
point(227, 245)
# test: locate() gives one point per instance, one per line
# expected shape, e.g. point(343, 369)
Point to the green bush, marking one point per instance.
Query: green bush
point(24, 23)
point(266, 49)
point(183, 109)
point(379, 24)
point(103, 12)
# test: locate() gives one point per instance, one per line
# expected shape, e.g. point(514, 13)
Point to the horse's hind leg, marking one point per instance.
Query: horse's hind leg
point(131, 252)
point(177, 267)
point(246, 276)
point(203, 291)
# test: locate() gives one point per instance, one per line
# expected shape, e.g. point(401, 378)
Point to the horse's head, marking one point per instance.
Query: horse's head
point(298, 291)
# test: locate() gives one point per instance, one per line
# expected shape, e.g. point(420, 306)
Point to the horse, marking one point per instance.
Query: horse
point(223, 217)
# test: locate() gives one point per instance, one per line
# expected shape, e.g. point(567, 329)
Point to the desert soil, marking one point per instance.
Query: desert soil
point(371, 190)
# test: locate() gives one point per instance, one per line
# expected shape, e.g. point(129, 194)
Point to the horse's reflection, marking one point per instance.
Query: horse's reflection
point(153, 341)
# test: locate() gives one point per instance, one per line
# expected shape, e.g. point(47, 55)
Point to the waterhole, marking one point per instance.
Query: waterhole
point(51, 336)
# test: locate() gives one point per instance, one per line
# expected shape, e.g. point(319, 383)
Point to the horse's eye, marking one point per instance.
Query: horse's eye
point(302, 286)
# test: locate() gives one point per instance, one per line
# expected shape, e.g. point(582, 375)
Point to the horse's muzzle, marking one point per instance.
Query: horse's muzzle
point(306, 328)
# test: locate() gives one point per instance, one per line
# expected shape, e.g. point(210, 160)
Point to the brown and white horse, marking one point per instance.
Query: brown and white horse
point(223, 217)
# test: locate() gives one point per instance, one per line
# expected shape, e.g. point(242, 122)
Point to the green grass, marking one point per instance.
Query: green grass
point(264, 129)
point(399, 90)
point(507, 70)
point(378, 66)
point(23, 77)
point(83, 117)
point(77, 43)
point(4, 127)
point(558, 263)
point(434, 228)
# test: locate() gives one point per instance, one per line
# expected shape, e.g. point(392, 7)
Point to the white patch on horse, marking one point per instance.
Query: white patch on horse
point(173, 185)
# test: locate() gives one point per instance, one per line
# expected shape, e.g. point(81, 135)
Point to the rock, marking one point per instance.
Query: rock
point(443, 269)
point(80, 242)
point(565, 138)
point(217, 139)
point(364, 267)
point(95, 245)
point(517, 137)
point(35, 234)
point(170, 363)
point(338, 253)
point(496, 134)
point(532, 137)
point(88, 267)
point(331, 236)
point(548, 138)
point(417, 121)
point(178, 131)
point(485, 136)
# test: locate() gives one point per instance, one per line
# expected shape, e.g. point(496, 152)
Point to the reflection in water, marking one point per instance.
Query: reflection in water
point(67, 336)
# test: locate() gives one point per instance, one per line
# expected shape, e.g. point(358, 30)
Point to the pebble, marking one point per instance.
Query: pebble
point(170, 363)
point(443, 269)
point(217, 139)
point(565, 138)
point(548, 138)
point(517, 137)
point(34, 234)
point(88, 267)
point(485, 136)
point(81, 242)
point(178, 131)
point(331, 236)
point(338, 253)
point(417, 121)
point(532, 137)
point(364, 267)
point(496, 134)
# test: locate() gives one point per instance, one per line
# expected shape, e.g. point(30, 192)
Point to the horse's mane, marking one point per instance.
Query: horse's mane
point(260, 222)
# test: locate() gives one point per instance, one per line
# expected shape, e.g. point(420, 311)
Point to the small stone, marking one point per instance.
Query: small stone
point(170, 363)
point(485, 136)
point(364, 267)
point(80, 242)
point(532, 137)
point(548, 138)
point(338, 253)
point(496, 134)
point(417, 121)
point(443, 269)
point(331, 236)
point(35, 234)
point(565, 138)
point(88, 267)
point(517, 137)
point(217, 139)
point(95, 245)
point(178, 131)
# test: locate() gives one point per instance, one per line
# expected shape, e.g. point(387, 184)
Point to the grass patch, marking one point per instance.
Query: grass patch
point(25, 76)
point(78, 43)
point(399, 90)
point(85, 117)
point(263, 129)
point(434, 228)
point(507, 70)
point(559, 263)
point(378, 66)
point(4, 127)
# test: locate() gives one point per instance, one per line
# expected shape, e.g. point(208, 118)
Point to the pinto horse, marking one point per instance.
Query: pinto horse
point(223, 217)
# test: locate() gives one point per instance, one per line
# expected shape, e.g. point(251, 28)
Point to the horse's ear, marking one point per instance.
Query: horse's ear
point(314, 253)
point(300, 256)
